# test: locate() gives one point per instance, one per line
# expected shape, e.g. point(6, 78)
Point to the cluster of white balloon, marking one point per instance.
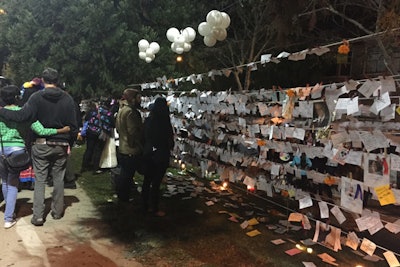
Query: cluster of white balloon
point(148, 51)
point(181, 40)
point(214, 28)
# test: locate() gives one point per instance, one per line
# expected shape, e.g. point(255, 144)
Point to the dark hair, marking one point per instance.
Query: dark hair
point(50, 76)
point(9, 94)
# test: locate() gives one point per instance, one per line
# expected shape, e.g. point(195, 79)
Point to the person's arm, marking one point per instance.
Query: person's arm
point(26, 113)
point(309, 163)
point(39, 129)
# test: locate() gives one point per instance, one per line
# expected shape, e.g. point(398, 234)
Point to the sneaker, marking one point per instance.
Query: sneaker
point(70, 185)
point(55, 217)
point(37, 222)
point(9, 224)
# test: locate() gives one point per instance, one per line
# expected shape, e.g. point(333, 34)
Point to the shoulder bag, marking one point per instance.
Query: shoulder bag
point(18, 160)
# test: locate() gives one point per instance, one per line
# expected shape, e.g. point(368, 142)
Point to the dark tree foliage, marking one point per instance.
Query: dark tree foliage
point(93, 43)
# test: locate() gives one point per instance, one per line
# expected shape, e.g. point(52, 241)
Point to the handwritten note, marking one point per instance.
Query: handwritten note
point(385, 195)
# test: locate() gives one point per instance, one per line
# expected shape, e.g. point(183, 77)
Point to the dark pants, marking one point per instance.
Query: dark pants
point(151, 185)
point(94, 147)
point(125, 182)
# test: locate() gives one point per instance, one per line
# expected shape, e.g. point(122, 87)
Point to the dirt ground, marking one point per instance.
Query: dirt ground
point(202, 228)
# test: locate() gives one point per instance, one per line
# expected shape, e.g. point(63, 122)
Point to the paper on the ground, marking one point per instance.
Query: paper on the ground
point(309, 264)
point(253, 233)
point(293, 251)
point(278, 241)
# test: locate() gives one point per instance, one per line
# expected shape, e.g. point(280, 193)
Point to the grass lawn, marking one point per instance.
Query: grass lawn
point(195, 234)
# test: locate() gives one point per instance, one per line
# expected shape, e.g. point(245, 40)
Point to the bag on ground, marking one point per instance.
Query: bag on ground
point(108, 157)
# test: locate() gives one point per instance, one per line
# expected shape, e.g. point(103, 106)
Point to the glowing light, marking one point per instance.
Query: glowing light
point(183, 166)
point(225, 184)
point(309, 250)
point(299, 246)
point(359, 265)
point(179, 59)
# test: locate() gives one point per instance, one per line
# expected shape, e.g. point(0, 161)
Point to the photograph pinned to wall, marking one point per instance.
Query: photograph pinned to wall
point(376, 169)
point(351, 197)
point(321, 115)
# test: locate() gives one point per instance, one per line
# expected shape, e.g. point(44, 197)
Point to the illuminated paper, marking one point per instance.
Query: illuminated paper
point(332, 240)
point(352, 240)
point(308, 264)
point(380, 103)
point(295, 217)
point(385, 195)
point(244, 224)
point(369, 87)
point(338, 214)
point(394, 162)
point(391, 259)
point(253, 233)
point(293, 251)
point(278, 241)
point(368, 246)
point(325, 257)
point(393, 227)
point(305, 202)
point(253, 221)
point(323, 209)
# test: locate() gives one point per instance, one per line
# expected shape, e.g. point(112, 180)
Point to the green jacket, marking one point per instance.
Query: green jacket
point(129, 125)
point(12, 133)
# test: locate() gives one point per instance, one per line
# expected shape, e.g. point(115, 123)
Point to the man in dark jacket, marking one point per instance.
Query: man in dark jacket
point(54, 108)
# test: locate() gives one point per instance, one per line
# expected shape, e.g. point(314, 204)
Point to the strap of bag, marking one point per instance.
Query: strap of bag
point(2, 147)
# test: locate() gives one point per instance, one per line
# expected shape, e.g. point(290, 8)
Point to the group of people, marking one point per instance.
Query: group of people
point(143, 147)
point(50, 114)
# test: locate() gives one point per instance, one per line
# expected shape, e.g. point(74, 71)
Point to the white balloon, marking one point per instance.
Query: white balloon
point(155, 46)
point(149, 52)
point(143, 45)
point(179, 50)
point(171, 33)
point(173, 47)
point(221, 34)
point(209, 41)
point(187, 47)
point(214, 18)
point(142, 55)
point(148, 59)
point(189, 34)
point(226, 20)
point(179, 39)
point(204, 29)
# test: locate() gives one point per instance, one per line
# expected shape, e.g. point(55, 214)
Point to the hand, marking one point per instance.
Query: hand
point(65, 129)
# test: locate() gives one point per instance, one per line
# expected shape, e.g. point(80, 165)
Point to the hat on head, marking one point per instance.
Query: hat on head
point(36, 81)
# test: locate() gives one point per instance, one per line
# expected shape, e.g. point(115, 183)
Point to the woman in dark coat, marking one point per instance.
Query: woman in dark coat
point(159, 141)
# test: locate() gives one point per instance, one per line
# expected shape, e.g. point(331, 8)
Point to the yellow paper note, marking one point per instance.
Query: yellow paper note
point(385, 195)
point(253, 233)
point(253, 221)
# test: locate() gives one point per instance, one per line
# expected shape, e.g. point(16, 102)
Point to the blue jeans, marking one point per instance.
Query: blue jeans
point(10, 182)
